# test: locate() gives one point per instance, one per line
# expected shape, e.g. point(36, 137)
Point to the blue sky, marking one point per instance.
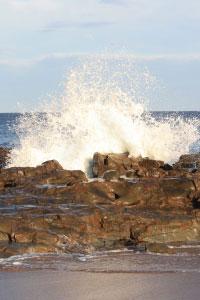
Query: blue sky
point(39, 40)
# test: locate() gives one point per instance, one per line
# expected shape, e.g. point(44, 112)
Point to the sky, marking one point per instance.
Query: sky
point(40, 40)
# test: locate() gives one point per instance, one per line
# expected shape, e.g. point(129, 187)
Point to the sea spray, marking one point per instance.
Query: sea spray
point(103, 108)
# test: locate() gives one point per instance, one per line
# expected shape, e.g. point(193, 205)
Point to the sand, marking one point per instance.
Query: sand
point(59, 285)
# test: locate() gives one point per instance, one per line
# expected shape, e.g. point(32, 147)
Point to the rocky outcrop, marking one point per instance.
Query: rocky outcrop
point(116, 165)
point(50, 172)
point(137, 203)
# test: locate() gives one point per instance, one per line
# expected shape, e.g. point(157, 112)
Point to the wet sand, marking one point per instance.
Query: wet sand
point(60, 285)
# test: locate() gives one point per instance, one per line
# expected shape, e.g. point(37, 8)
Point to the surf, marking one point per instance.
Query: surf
point(104, 108)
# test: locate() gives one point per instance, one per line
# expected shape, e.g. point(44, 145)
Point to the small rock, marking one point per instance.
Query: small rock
point(4, 156)
point(189, 162)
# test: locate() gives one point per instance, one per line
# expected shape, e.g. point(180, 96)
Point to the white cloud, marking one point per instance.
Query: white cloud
point(54, 26)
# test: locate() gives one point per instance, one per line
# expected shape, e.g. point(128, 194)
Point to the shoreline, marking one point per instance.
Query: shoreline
point(109, 263)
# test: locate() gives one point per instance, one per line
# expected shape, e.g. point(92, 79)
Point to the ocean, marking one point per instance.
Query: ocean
point(8, 137)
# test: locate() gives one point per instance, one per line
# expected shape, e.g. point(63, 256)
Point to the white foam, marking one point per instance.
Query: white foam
point(184, 247)
point(101, 110)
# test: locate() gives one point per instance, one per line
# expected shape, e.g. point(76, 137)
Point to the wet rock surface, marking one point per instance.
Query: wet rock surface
point(133, 203)
point(124, 164)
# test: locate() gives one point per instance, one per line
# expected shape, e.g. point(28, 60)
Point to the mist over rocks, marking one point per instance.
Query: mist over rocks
point(136, 203)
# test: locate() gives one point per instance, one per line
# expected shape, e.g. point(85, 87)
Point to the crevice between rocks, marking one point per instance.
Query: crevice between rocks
point(196, 203)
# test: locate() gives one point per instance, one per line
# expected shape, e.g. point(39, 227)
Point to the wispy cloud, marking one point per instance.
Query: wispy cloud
point(61, 25)
point(177, 57)
point(96, 24)
point(27, 63)
point(115, 2)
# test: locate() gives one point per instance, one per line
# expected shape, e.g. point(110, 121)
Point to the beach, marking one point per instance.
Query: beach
point(99, 150)
point(100, 197)
point(59, 285)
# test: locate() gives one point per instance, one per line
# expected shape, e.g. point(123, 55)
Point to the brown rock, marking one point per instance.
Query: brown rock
point(4, 236)
point(4, 156)
point(105, 162)
point(50, 172)
point(181, 231)
point(189, 162)
point(48, 166)
point(123, 163)
point(111, 175)
point(196, 179)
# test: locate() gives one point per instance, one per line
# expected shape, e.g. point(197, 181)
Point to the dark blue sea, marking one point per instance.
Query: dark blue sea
point(8, 136)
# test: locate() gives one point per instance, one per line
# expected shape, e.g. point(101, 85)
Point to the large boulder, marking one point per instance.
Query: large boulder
point(123, 164)
point(119, 162)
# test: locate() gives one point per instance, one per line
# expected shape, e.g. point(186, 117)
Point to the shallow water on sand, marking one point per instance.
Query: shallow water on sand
point(116, 261)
